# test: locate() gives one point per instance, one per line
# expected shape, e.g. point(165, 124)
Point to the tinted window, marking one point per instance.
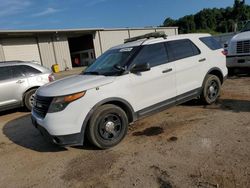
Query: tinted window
point(29, 70)
point(180, 49)
point(211, 43)
point(17, 71)
point(5, 73)
point(154, 54)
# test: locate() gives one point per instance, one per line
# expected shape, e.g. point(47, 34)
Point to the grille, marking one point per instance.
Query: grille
point(41, 105)
point(243, 47)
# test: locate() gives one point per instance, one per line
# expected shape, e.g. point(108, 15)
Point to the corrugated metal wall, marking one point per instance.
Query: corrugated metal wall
point(22, 48)
point(169, 32)
point(62, 53)
point(55, 51)
point(135, 33)
point(2, 58)
point(112, 38)
point(97, 44)
point(46, 51)
point(103, 40)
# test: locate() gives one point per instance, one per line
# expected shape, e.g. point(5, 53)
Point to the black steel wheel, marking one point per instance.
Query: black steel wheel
point(108, 126)
point(211, 89)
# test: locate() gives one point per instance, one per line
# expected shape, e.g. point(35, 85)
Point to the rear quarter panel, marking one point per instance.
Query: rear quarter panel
point(214, 60)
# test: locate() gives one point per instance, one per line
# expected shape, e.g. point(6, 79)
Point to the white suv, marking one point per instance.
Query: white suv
point(147, 74)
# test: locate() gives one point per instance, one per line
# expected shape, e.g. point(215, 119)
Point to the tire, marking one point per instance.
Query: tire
point(28, 98)
point(211, 89)
point(107, 127)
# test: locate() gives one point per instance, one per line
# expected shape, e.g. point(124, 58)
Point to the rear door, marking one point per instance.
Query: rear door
point(35, 77)
point(188, 62)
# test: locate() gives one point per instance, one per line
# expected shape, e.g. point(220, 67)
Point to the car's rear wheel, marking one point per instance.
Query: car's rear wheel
point(108, 126)
point(211, 89)
point(29, 99)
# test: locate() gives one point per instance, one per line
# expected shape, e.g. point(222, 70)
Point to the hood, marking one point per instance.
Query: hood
point(241, 36)
point(73, 84)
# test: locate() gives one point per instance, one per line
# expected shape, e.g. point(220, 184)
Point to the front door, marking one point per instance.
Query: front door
point(155, 88)
point(12, 86)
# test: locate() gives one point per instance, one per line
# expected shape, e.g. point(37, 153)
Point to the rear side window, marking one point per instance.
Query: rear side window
point(180, 49)
point(5, 73)
point(29, 70)
point(154, 54)
point(211, 43)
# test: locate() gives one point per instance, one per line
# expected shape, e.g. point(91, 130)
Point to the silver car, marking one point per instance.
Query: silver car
point(19, 82)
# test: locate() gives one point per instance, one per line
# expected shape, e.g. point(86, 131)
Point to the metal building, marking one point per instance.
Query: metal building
point(67, 47)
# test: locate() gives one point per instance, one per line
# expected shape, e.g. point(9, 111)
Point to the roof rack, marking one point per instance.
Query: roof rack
point(147, 36)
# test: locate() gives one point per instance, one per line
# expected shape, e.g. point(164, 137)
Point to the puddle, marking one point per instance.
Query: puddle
point(173, 139)
point(164, 183)
point(152, 131)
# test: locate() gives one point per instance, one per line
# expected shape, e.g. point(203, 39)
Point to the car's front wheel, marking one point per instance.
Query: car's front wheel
point(108, 126)
point(211, 89)
point(29, 99)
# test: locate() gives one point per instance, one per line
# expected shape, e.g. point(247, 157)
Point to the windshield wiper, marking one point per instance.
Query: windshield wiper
point(92, 73)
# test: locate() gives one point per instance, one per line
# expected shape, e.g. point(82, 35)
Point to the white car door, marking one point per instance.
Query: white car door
point(188, 62)
point(153, 89)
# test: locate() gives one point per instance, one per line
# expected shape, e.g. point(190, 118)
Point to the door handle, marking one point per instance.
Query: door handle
point(203, 59)
point(167, 70)
point(20, 81)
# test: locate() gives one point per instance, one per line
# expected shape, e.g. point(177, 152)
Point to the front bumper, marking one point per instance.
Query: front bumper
point(64, 140)
point(238, 61)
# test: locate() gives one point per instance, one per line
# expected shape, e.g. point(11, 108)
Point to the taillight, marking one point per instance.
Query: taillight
point(51, 78)
point(224, 52)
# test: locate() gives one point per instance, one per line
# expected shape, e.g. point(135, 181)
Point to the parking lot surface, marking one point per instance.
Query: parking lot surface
point(190, 145)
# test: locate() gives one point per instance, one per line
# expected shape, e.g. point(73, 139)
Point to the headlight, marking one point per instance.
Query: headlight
point(60, 103)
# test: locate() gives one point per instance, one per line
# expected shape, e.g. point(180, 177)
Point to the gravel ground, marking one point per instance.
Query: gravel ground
point(190, 145)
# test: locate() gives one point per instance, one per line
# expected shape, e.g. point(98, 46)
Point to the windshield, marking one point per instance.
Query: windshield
point(111, 63)
point(246, 27)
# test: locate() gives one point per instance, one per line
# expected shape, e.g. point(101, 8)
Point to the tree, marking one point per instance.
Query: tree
point(169, 22)
point(213, 20)
point(239, 10)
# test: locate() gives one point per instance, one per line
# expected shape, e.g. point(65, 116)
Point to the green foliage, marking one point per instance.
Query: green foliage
point(213, 20)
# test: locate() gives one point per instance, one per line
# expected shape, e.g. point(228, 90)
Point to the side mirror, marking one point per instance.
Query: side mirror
point(140, 68)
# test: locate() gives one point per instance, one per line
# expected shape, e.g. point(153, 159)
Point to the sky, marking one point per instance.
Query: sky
point(63, 14)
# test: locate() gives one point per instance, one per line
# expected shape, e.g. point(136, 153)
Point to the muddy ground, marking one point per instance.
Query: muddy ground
point(190, 145)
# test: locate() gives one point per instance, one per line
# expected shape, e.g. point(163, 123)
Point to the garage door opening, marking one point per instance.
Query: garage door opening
point(81, 50)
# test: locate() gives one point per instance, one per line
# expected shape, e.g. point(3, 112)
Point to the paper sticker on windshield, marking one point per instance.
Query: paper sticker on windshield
point(126, 49)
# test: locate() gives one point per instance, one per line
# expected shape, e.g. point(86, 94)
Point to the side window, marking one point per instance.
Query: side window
point(29, 70)
point(180, 49)
point(211, 43)
point(17, 71)
point(154, 54)
point(5, 73)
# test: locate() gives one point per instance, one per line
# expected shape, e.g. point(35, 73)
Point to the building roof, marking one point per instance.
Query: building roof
point(77, 30)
